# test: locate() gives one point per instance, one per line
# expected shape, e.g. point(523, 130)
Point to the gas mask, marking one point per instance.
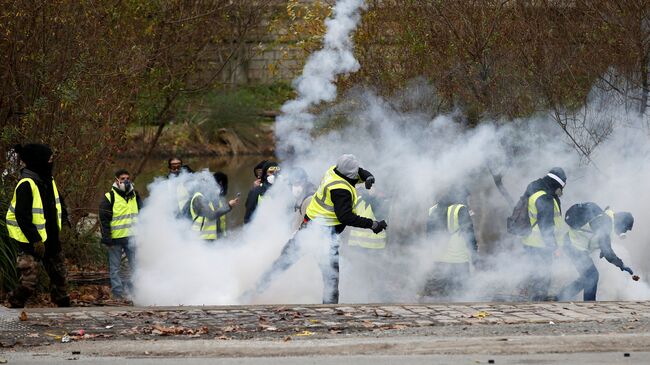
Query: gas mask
point(124, 185)
point(622, 236)
point(270, 179)
point(558, 192)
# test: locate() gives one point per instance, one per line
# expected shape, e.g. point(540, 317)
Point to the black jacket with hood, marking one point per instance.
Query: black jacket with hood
point(342, 200)
point(545, 208)
point(106, 214)
point(257, 191)
point(38, 168)
point(601, 227)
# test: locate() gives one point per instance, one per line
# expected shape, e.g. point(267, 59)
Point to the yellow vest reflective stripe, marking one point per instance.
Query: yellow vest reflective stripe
point(125, 215)
point(456, 250)
point(535, 238)
point(321, 207)
point(206, 226)
point(582, 238)
point(38, 215)
point(366, 238)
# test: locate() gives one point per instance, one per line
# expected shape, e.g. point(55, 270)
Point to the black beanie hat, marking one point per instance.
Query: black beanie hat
point(557, 174)
point(34, 155)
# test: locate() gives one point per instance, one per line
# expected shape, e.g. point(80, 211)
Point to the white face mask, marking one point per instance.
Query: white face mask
point(559, 192)
point(270, 179)
point(297, 190)
point(622, 236)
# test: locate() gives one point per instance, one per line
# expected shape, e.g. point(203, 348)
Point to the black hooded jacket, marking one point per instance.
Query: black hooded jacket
point(38, 169)
point(545, 207)
point(600, 224)
point(256, 192)
point(106, 214)
point(342, 200)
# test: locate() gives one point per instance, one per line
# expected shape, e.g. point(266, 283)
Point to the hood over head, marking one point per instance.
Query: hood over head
point(348, 165)
point(36, 158)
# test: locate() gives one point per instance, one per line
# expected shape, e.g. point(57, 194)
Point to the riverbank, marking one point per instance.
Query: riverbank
point(219, 122)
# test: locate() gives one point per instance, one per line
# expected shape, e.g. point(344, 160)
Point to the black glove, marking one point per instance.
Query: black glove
point(39, 249)
point(625, 268)
point(369, 181)
point(378, 226)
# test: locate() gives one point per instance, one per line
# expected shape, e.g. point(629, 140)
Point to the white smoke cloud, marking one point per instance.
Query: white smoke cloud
point(415, 154)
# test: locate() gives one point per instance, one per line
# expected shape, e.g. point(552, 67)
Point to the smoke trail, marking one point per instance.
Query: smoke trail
point(415, 155)
point(317, 82)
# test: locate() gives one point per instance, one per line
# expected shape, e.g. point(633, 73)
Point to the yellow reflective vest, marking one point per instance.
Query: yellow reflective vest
point(366, 238)
point(534, 239)
point(456, 250)
point(125, 215)
point(205, 225)
point(38, 215)
point(321, 207)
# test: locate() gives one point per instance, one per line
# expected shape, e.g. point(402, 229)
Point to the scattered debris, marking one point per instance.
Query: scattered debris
point(551, 322)
point(23, 316)
point(480, 314)
point(108, 327)
point(288, 338)
point(490, 361)
point(636, 277)
point(305, 333)
point(65, 339)
point(627, 354)
point(33, 335)
point(3, 360)
point(76, 352)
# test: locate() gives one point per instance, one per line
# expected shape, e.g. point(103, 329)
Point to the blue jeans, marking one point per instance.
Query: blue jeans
point(118, 286)
point(587, 280)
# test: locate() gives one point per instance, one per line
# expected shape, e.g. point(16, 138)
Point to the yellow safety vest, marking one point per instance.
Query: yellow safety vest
point(534, 239)
point(206, 226)
point(456, 250)
point(321, 207)
point(38, 215)
point(125, 215)
point(366, 238)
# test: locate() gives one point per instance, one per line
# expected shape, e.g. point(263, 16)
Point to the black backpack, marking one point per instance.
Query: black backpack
point(519, 223)
point(580, 214)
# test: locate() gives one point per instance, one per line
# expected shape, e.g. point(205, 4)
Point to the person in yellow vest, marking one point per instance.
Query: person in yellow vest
point(365, 252)
point(592, 229)
point(547, 230)
point(451, 230)
point(34, 219)
point(118, 214)
point(332, 207)
point(208, 208)
point(178, 188)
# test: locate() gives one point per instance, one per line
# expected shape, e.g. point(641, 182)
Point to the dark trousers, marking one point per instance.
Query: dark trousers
point(540, 261)
point(27, 266)
point(587, 280)
point(291, 253)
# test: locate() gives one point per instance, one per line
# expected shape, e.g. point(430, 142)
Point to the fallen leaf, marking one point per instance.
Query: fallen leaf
point(305, 333)
point(288, 338)
point(480, 314)
point(23, 316)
